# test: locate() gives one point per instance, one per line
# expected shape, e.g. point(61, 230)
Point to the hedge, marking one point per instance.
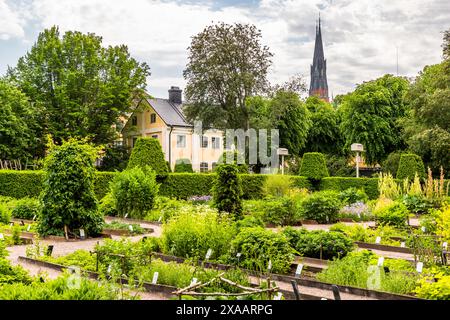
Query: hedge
point(20, 184)
point(314, 166)
point(370, 185)
point(409, 166)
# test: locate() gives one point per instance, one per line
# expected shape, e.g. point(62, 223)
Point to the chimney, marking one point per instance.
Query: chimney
point(175, 95)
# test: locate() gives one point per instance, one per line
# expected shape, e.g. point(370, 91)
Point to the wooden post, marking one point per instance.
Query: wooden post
point(66, 232)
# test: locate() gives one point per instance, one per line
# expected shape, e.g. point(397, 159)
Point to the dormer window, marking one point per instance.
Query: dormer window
point(153, 118)
point(134, 120)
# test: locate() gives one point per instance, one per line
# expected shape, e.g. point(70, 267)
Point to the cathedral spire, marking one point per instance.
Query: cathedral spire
point(319, 83)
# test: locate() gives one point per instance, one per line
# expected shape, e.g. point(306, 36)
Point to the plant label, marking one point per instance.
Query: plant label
point(359, 215)
point(28, 228)
point(82, 234)
point(155, 277)
point(238, 255)
point(419, 267)
point(402, 245)
point(424, 229)
point(208, 254)
point(160, 218)
point(269, 267)
point(380, 261)
point(299, 269)
point(445, 245)
point(130, 227)
point(378, 240)
point(324, 299)
point(126, 215)
point(193, 282)
point(109, 269)
point(12, 224)
point(2, 237)
point(34, 217)
point(278, 296)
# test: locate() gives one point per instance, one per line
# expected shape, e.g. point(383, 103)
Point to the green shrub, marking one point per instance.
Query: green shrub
point(257, 246)
point(79, 258)
point(249, 222)
point(102, 182)
point(68, 196)
point(148, 152)
point(369, 185)
point(195, 230)
point(395, 215)
point(314, 166)
point(185, 185)
point(227, 190)
point(353, 195)
point(107, 206)
point(409, 165)
point(322, 207)
point(339, 166)
point(134, 192)
point(183, 165)
point(166, 208)
point(277, 185)
point(280, 212)
point(20, 184)
point(26, 208)
point(439, 290)
point(319, 244)
point(390, 165)
point(117, 225)
point(115, 158)
point(417, 204)
point(5, 213)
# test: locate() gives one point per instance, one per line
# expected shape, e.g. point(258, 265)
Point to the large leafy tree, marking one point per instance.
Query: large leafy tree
point(81, 87)
point(370, 116)
point(324, 135)
point(18, 121)
point(227, 64)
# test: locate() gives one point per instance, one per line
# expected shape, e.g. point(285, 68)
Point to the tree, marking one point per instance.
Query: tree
point(446, 45)
point(18, 121)
point(148, 152)
point(226, 65)
point(68, 195)
point(370, 116)
point(324, 135)
point(227, 190)
point(81, 87)
point(115, 158)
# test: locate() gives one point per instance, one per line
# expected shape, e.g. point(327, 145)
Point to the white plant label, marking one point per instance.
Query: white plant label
point(269, 267)
point(324, 299)
point(298, 272)
point(29, 227)
point(208, 254)
point(34, 217)
point(378, 240)
point(126, 215)
point(1, 236)
point(238, 255)
point(82, 234)
point(402, 245)
point(109, 269)
point(359, 215)
point(424, 229)
point(130, 227)
point(380, 261)
point(445, 245)
point(194, 281)
point(278, 296)
point(160, 218)
point(155, 277)
point(419, 267)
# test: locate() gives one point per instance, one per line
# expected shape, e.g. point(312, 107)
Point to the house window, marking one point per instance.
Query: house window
point(204, 142)
point(181, 141)
point(153, 118)
point(203, 166)
point(134, 141)
point(134, 121)
point(155, 136)
point(215, 141)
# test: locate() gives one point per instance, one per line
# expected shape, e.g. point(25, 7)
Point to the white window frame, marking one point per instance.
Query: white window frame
point(202, 140)
point(202, 168)
point(215, 142)
point(182, 140)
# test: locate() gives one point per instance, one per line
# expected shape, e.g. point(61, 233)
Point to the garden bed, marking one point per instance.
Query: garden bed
point(63, 239)
point(125, 233)
point(382, 247)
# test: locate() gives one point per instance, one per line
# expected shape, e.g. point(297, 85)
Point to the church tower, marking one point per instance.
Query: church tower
point(319, 83)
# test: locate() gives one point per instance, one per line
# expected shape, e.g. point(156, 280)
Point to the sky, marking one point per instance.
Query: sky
point(361, 37)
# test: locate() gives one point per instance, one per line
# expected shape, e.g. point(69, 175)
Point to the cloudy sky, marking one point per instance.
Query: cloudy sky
point(361, 37)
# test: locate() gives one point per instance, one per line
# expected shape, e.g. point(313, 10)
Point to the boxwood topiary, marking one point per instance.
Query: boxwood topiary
point(183, 166)
point(148, 152)
point(314, 166)
point(409, 165)
point(227, 190)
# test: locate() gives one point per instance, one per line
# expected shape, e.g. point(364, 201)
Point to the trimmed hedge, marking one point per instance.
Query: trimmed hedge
point(314, 166)
point(185, 185)
point(21, 184)
point(370, 185)
point(148, 152)
point(409, 165)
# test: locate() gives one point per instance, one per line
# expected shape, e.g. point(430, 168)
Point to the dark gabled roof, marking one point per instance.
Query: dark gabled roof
point(170, 113)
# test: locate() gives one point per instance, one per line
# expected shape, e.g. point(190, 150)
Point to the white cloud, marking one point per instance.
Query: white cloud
point(360, 36)
point(10, 22)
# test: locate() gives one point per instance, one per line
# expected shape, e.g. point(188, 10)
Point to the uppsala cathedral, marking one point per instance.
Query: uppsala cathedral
point(319, 83)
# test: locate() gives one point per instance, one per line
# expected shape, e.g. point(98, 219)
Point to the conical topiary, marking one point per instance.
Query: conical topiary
point(148, 152)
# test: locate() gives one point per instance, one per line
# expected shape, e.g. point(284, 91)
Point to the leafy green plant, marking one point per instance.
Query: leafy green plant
point(277, 185)
point(5, 214)
point(134, 191)
point(148, 152)
point(319, 244)
point(116, 225)
point(26, 208)
point(68, 198)
point(395, 215)
point(195, 230)
point(166, 208)
point(352, 195)
point(79, 258)
point(314, 166)
point(388, 187)
point(321, 206)
point(107, 206)
point(439, 290)
point(280, 212)
point(257, 246)
point(227, 190)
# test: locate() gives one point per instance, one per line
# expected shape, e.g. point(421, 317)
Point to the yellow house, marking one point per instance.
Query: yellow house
point(163, 119)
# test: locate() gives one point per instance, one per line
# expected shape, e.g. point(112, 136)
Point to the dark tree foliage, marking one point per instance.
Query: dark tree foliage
point(226, 65)
point(227, 190)
point(115, 158)
point(80, 87)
